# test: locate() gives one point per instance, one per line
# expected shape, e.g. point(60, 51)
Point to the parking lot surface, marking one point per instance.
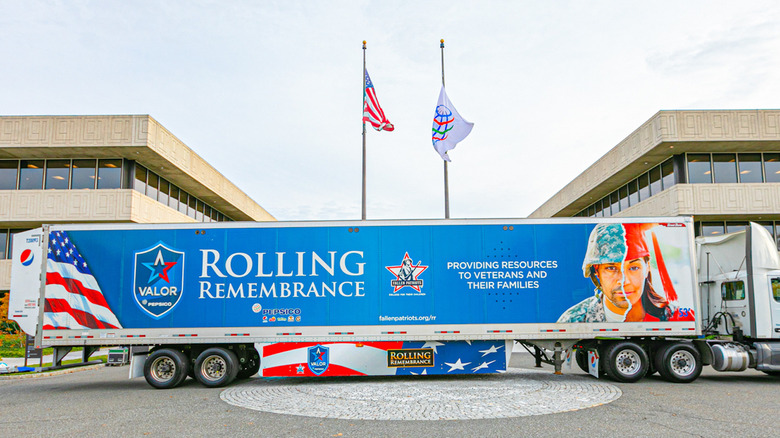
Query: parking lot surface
point(103, 402)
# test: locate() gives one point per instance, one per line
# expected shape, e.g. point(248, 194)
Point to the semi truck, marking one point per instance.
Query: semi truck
point(620, 297)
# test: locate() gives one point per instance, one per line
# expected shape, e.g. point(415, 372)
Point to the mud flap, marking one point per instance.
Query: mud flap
point(593, 363)
point(137, 362)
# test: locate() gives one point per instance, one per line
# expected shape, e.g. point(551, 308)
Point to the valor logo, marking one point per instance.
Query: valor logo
point(158, 279)
point(406, 274)
point(319, 359)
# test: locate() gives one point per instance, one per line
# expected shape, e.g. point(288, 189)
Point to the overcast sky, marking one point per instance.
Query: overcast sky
point(270, 93)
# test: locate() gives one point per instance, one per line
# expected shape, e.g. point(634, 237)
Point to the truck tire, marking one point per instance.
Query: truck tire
point(625, 362)
point(216, 367)
point(678, 362)
point(166, 368)
point(251, 367)
point(581, 356)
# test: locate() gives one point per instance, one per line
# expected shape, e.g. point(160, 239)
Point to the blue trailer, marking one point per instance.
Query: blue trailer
point(225, 300)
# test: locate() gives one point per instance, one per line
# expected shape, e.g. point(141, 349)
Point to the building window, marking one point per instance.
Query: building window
point(8, 174)
point(699, 169)
point(667, 174)
point(750, 168)
point(644, 186)
point(31, 174)
point(109, 174)
point(183, 201)
point(712, 228)
point(614, 203)
point(733, 227)
point(83, 174)
point(11, 234)
point(173, 201)
point(725, 167)
point(152, 184)
point(772, 167)
point(655, 181)
point(633, 193)
point(139, 183)
point(623, 193)
point(57, 174)
point(4, 244)
point(191, 211)
point(165, 189)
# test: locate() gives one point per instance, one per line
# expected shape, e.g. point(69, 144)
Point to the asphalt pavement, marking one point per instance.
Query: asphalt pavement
point(104, 402)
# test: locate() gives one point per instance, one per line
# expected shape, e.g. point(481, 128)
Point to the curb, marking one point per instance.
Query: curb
point(52, 373)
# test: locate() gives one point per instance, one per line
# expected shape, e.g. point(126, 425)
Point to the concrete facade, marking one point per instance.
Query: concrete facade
point(133, 138)
point(671, 134)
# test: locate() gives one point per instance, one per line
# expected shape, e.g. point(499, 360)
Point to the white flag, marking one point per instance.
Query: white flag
point(449, 128)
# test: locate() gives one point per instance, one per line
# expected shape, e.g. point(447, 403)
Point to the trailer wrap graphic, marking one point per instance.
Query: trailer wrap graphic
point(293, 359)
point(391, 274)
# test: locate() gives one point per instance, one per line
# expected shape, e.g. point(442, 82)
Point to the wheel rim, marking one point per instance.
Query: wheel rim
point(628, 362)
point(163, 369)
point(213, 368)
point(682, 363)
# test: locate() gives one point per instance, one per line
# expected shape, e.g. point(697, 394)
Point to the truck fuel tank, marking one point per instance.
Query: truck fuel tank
point(729, 357)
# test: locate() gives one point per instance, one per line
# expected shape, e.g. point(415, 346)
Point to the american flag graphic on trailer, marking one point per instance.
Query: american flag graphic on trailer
point(73, 299)
point(372, 112)
point(290, 359)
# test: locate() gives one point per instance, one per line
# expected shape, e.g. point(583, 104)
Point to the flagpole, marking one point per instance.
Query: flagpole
point(446, 179)
point(363, 215)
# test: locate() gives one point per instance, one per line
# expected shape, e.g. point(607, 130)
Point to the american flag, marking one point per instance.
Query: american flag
point(372, 112)
point(73, 297)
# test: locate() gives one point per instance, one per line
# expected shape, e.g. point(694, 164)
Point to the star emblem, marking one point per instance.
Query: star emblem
point(490, 350)
point(299, 369)
point(481, 366)
point(159, 268)
point(433, 345)
point(457, 365)
point(406, 274)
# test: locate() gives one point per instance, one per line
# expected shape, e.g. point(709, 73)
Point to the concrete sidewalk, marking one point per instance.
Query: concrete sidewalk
point(33, 363)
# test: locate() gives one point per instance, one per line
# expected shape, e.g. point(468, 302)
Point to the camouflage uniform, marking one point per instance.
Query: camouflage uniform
point(590, 309)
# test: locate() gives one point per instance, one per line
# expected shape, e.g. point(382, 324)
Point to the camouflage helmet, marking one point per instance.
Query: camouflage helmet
point(615, 243)
point(607, 244)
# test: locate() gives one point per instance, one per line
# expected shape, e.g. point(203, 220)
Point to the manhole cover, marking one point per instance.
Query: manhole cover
point(515, 393)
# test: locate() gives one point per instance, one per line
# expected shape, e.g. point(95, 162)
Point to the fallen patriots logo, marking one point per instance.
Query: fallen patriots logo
point(319, 359)
point(158, 279)
point(406, 274)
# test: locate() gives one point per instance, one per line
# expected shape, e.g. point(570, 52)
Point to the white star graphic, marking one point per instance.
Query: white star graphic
point(492, 349)
point(482, 366)
point(456, 366)
point(432, 344)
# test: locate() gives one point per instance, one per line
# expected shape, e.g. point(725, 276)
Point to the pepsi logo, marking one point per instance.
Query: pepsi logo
point(27, 257)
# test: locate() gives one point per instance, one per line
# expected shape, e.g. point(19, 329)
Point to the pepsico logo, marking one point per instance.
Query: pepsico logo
point(27, 257)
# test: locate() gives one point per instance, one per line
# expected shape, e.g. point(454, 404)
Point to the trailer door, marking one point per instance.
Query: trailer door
point(26, 277)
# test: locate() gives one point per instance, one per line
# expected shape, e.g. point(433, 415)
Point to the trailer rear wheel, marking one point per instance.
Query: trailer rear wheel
point(251, 367)
point(581, 356)
point(165, 368)
point(678, 362)
point(216, 367)
point(626, 362)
